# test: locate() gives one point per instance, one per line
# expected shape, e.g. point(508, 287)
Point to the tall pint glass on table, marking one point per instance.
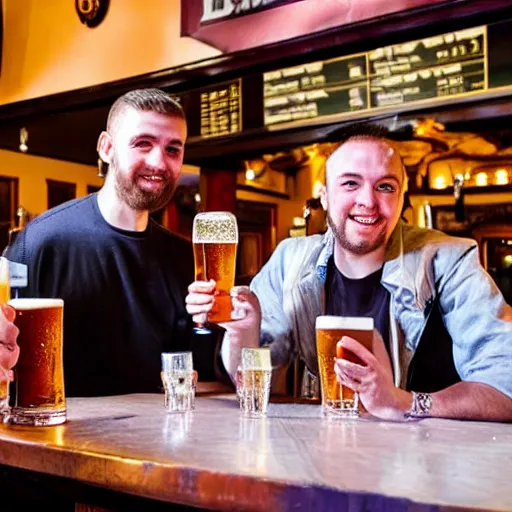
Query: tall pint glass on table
point(339, 400)
point(215, 239)
point(5, 295)
point(39, 374)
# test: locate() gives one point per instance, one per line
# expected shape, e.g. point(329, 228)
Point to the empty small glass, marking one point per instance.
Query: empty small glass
point(179, 380)
point(253, 381)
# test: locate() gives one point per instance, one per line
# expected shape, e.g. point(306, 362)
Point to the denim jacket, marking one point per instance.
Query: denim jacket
point(421, 265)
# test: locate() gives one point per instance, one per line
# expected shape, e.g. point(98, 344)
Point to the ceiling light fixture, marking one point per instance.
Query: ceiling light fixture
point(23, 140)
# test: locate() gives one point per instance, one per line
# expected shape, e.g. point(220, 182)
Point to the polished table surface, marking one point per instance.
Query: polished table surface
point(293, 459)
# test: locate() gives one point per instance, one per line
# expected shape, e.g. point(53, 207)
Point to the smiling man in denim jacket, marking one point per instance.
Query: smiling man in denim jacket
point(442, 320)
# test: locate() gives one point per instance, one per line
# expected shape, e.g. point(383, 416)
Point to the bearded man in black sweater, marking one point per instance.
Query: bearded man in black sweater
point(122, 276)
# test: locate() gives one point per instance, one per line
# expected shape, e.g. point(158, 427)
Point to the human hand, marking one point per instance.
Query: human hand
point(9, 349)
point(199, 300)
point(371, 376)
point(244, 331)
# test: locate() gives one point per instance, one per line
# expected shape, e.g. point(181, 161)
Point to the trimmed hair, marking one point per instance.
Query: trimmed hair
point(372, 137)
point(146, 100)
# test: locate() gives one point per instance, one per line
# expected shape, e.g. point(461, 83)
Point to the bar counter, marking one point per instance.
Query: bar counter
point(293, 460)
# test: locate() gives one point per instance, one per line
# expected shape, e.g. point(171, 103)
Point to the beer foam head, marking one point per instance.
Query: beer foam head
point(256, 359)
point(27, 304)
point(355, 323)
point(4, 270)
point(215, 227)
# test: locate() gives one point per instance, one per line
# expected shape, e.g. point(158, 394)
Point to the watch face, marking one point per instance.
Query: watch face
point(91, 12)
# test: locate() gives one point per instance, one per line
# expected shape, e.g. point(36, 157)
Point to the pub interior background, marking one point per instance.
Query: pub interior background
point(58, 78)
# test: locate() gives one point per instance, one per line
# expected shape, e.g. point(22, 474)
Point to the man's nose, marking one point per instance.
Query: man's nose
point(156, 158)
point(366, 197)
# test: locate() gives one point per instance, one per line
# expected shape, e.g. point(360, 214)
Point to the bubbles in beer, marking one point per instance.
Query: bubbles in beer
point(215, 227)
point(39, 371)
point(215, 237)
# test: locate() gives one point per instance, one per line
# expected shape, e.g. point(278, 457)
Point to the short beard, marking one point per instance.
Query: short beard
point(136, 198)
point(361, 248)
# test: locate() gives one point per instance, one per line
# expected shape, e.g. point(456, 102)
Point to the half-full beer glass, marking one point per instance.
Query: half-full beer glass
point(215, 238)
point(336, 398)
point(39, 375)
point(254, 378)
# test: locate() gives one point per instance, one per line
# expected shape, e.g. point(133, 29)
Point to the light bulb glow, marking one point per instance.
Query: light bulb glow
point(440, 182)
point(501, 177)
point(481, 179)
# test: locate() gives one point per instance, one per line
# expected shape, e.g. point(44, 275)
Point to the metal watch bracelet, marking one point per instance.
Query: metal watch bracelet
point(421, 405)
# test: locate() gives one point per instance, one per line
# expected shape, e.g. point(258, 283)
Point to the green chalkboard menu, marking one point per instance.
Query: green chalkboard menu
point(446, 65)
point(443, 66)
point(316, 89)
point(214, 111)
point(422, 73)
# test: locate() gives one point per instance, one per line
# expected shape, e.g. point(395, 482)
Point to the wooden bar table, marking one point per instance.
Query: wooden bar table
point(293, 460)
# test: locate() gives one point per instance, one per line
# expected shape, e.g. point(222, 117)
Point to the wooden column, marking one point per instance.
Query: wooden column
point(170, 217)
point(218, 190)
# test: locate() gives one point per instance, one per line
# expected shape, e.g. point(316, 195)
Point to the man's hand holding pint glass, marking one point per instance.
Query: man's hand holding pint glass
point(367, 371)
point(241, 332)
point(9, 349)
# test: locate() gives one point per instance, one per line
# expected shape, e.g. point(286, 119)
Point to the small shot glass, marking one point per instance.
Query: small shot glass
point(179, 380)
point(253, 381)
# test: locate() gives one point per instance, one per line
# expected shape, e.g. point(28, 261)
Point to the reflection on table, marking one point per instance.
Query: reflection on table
point(215, 458)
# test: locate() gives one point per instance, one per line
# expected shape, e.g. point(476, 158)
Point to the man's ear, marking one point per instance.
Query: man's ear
point(104, 147)
point(323, 197)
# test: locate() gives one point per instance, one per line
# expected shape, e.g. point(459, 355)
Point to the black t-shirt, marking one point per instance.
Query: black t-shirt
point(123, 296)
point(358, 297)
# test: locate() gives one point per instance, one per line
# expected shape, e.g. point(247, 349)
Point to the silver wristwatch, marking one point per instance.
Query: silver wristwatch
point(421, 405)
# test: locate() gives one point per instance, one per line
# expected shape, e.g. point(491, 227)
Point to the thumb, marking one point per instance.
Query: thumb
point(9, 312)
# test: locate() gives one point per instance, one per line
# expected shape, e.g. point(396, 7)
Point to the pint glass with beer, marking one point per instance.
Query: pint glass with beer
point(39, 374)
point(5, 295)
point(215, 239)
point(336, 398)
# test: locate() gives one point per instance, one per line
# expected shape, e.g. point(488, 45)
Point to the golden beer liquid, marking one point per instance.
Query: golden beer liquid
point(5, 292)
point(39, 371)
point(326, 340)
point(5, 295)
point(4, 394)
point(218, 262)
point(255, 390)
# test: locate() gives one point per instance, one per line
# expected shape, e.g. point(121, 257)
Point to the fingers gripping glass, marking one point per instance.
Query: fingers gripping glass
point(215, 239)
point(338, 399)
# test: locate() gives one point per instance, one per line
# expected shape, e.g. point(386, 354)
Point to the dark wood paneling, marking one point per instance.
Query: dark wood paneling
point(66, 125)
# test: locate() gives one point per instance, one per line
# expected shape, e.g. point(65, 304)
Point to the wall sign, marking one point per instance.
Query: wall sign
point(233, 25)
point(217, 10)
point(91, 12)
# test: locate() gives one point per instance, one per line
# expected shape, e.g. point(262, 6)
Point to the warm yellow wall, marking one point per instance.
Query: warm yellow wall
point(47, 50)
point(33, 171)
